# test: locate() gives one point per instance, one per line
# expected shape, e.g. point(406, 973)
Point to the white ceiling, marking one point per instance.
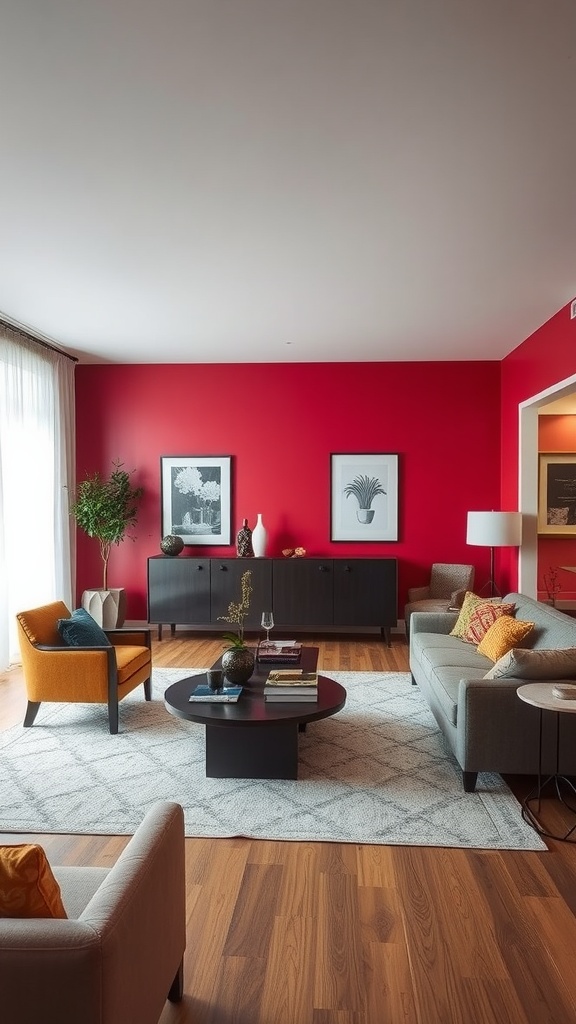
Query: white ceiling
point(287, 180)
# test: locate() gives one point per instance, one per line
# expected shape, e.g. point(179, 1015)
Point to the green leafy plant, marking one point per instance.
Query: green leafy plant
point(364, 489)
point(237, 612)
point(106, 509)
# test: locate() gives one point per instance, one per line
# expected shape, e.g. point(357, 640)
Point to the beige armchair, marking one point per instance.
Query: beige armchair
point(448, 584)
point(119, 955)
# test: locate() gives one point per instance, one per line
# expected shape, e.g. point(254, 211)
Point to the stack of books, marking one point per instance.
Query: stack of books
point(279, 651)
point(291, 685)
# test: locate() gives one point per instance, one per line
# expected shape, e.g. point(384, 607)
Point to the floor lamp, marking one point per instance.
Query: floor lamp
point(494, 530)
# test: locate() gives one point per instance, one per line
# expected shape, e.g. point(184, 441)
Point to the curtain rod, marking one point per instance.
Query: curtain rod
point(17, 328)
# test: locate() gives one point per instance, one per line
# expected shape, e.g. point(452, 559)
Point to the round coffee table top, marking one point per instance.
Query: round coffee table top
point(251, 709)
point(540, 696)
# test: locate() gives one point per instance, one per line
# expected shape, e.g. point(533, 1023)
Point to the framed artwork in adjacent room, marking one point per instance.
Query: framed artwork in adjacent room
point(364, 497)
point(196, 498)
point(557, 495)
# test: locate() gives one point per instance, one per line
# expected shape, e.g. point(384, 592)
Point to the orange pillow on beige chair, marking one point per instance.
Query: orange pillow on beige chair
point(27, 886)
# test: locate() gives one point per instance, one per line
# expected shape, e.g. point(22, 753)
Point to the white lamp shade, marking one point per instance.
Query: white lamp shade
point(494, 529)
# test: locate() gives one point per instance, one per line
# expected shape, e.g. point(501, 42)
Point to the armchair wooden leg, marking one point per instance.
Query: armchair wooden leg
point(113, 716)
point(148, 689)
point(177, 987)
point(31, 712)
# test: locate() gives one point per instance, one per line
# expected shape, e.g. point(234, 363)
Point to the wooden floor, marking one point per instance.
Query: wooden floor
point(323, 933)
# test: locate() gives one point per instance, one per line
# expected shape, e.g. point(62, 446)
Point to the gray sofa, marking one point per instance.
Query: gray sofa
point(486, 725)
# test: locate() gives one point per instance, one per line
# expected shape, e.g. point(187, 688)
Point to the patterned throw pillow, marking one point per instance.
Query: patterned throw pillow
point(27, 886)
point(523, 664)
point(468, 605)
point(483, 616)
point(505, 634)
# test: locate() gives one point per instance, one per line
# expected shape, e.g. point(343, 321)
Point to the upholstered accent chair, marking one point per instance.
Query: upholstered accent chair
point(448, 584)
point(56, 672)
point(118, 955)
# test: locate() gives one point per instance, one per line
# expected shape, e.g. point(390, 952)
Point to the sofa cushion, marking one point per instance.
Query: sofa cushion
point(483, 616)
point(469, 604)
point(82, 630)
point(27, 886)
point(505, 634)
point(528, 664)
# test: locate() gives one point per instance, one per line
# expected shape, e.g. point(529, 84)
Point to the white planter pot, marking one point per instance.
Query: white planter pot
point(107, 607)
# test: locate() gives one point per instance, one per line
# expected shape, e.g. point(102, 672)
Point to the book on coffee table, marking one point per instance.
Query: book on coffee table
point(279, 651)
point(226, 695)
point(284, 685)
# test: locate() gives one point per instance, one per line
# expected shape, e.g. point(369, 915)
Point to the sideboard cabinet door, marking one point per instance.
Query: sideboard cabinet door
point(365, 592)
point(226, 587)
point(303, 591)
point(178, 590)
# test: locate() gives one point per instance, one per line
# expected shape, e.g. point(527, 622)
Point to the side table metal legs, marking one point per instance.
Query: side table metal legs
point(564, 789)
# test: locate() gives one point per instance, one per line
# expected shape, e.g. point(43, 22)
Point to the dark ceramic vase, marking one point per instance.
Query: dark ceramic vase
point(244, 547)
point(172, 544)
point(238, 664)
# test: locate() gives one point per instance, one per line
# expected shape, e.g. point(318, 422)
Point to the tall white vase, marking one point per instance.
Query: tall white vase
point(259, 538)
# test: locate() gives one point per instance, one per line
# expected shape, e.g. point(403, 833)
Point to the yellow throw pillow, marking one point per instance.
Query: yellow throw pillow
point(468, 607)
point(27, 886)
point(483, 616)
point(505, 634)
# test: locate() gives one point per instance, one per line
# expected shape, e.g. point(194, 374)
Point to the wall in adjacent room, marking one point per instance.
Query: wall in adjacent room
point(557, 434)
point(280, 422)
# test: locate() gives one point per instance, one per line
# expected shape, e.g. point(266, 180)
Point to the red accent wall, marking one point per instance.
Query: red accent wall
point(280, 422)
point(546, 358)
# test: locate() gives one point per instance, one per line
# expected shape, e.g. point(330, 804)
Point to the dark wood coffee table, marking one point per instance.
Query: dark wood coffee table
point(254, 739)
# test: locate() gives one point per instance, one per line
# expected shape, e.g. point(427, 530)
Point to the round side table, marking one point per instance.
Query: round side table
point(540, 695)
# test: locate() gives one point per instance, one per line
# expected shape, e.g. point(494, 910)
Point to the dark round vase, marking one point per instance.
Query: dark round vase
point(172, 544)
point(244, 547)
point(238, 664)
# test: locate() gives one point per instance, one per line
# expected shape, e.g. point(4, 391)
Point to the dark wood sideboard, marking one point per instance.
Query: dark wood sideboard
point(302, 592)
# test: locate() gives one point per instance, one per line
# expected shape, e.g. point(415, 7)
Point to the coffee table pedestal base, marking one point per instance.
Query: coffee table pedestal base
point(245, 752)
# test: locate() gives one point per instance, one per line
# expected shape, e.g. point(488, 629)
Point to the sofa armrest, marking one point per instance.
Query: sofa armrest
point(143, 898)
point(457, 598)
point(418, 594)
point(432, 622)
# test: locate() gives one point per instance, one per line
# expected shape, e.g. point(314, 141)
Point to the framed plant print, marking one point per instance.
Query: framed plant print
point(364, 497)
point(557, 495)
point(196, 498)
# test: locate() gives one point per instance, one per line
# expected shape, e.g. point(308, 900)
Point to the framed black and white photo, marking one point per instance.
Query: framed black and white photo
point(196, 498)
point(557, 499)
point(364, 497)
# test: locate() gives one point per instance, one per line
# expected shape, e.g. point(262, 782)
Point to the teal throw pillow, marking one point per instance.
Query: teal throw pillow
point(81, 630)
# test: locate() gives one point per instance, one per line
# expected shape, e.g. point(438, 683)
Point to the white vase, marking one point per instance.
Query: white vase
point(259, 538)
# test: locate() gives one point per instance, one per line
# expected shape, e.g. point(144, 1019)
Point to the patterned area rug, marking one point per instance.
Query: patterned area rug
point(378, 772)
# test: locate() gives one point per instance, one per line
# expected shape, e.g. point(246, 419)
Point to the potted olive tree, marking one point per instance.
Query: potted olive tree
point(107, 509)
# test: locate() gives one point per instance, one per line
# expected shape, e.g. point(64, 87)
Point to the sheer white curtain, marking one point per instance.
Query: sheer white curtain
point(36, 480)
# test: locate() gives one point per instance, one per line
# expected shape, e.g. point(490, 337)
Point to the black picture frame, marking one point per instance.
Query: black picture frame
point(196, 498)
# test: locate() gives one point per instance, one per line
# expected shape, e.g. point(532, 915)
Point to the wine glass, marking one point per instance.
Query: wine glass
point(267, 624)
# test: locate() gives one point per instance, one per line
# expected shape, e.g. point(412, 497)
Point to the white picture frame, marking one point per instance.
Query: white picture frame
point(196, 498)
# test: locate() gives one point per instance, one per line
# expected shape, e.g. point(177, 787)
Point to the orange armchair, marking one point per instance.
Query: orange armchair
point(85, 675)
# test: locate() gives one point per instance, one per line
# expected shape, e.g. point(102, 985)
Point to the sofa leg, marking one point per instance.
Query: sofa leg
point(414, 683)
point(469, 781)
point(113, 716)
point(31, 712)
point(177, 987)
point(148, 689)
